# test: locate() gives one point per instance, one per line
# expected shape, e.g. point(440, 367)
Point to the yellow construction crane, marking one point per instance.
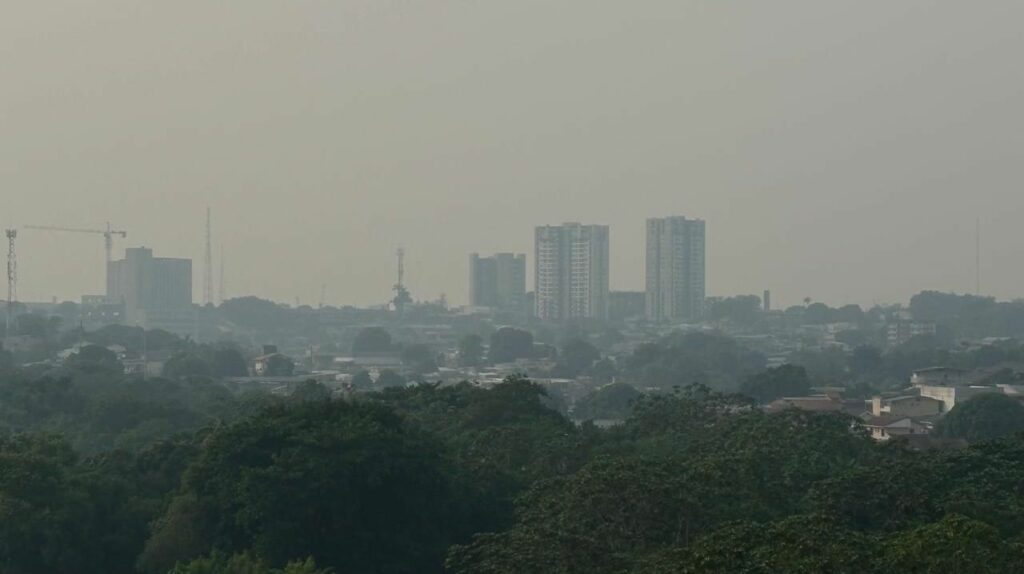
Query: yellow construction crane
point(108, 235)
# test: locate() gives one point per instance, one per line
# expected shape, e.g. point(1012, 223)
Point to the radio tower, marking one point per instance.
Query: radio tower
point(220, 284)
point(401, 293)
point(208, 264)
point(12, 279)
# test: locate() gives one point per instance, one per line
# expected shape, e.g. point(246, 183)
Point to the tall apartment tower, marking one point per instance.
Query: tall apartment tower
point(676, 278)
point(571, 271)
point(498, 282)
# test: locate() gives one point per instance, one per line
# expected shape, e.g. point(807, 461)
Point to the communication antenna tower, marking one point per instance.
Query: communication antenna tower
point(401, 293)
point(12, 278)
point(220, 284)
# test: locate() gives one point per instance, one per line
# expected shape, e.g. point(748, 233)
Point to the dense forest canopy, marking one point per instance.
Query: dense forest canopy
point(197, 472)
point(103, 473)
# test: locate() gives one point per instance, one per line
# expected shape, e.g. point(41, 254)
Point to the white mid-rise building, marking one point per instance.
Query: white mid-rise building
point(676, 272)
point(571, 271)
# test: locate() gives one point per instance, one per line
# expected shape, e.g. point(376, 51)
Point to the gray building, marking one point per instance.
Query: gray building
point(156, 291)
point(571, 271)
point(498, 282)
point(676, 276)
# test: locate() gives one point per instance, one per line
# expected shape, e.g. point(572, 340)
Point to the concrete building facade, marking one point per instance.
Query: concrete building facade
point(676, 269)
point(498, 282)
point(571, 271)
point(156, 291)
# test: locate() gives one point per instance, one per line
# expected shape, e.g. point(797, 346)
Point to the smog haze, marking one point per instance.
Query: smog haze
point(827, 144)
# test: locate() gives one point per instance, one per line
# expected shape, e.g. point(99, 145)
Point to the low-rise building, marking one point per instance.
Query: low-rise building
point(906, 406)
point(939, 376)
point(884, 428)
point(827, 403)
point(901, 331)
point(951, 396)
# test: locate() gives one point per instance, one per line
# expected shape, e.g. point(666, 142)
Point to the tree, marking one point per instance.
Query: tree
point(244, 563)
point(95, 359)
point(509, 344)
point(43, 513)
point(865, 360)
point(983, 417)
point(362, 380)
point(372, 340)
point(681, 359)
point(229, 362)
point(279, 365)
point(350, 485)
point(420, 358)
point(771, 384)
point(612, 401)
point(577, 356)
point(187, 364)
point(604, 371)
point(954, 544)
point(580, 524)
point(6, 360)
point(743, 309)
point(310, 391)
point(471, 350)
point(255, 314)
point(797, 545)
point(37, 325)
point(388, 378)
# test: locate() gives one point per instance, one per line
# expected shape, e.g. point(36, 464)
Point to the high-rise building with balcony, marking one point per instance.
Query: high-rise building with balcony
point(571, 271)
point(676, 272)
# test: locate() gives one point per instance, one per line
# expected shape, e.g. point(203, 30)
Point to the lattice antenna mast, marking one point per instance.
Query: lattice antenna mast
point(12, 278)
point(208, 263)
point(220, 285)
point(402, 296)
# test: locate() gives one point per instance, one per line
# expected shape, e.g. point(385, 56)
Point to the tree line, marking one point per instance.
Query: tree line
point(189, 476)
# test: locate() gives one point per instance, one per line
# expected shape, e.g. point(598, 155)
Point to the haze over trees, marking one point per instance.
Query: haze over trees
point(509, 344)
point(196, 473)
point(188, 476)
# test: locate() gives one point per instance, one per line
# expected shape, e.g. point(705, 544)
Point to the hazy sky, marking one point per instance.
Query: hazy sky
point(839, 150)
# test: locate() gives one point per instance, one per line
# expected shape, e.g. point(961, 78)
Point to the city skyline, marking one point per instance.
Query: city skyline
point(805, 140)
point(616, 283)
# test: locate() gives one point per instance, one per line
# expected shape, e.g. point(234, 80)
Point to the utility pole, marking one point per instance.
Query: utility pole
point(12, 279)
